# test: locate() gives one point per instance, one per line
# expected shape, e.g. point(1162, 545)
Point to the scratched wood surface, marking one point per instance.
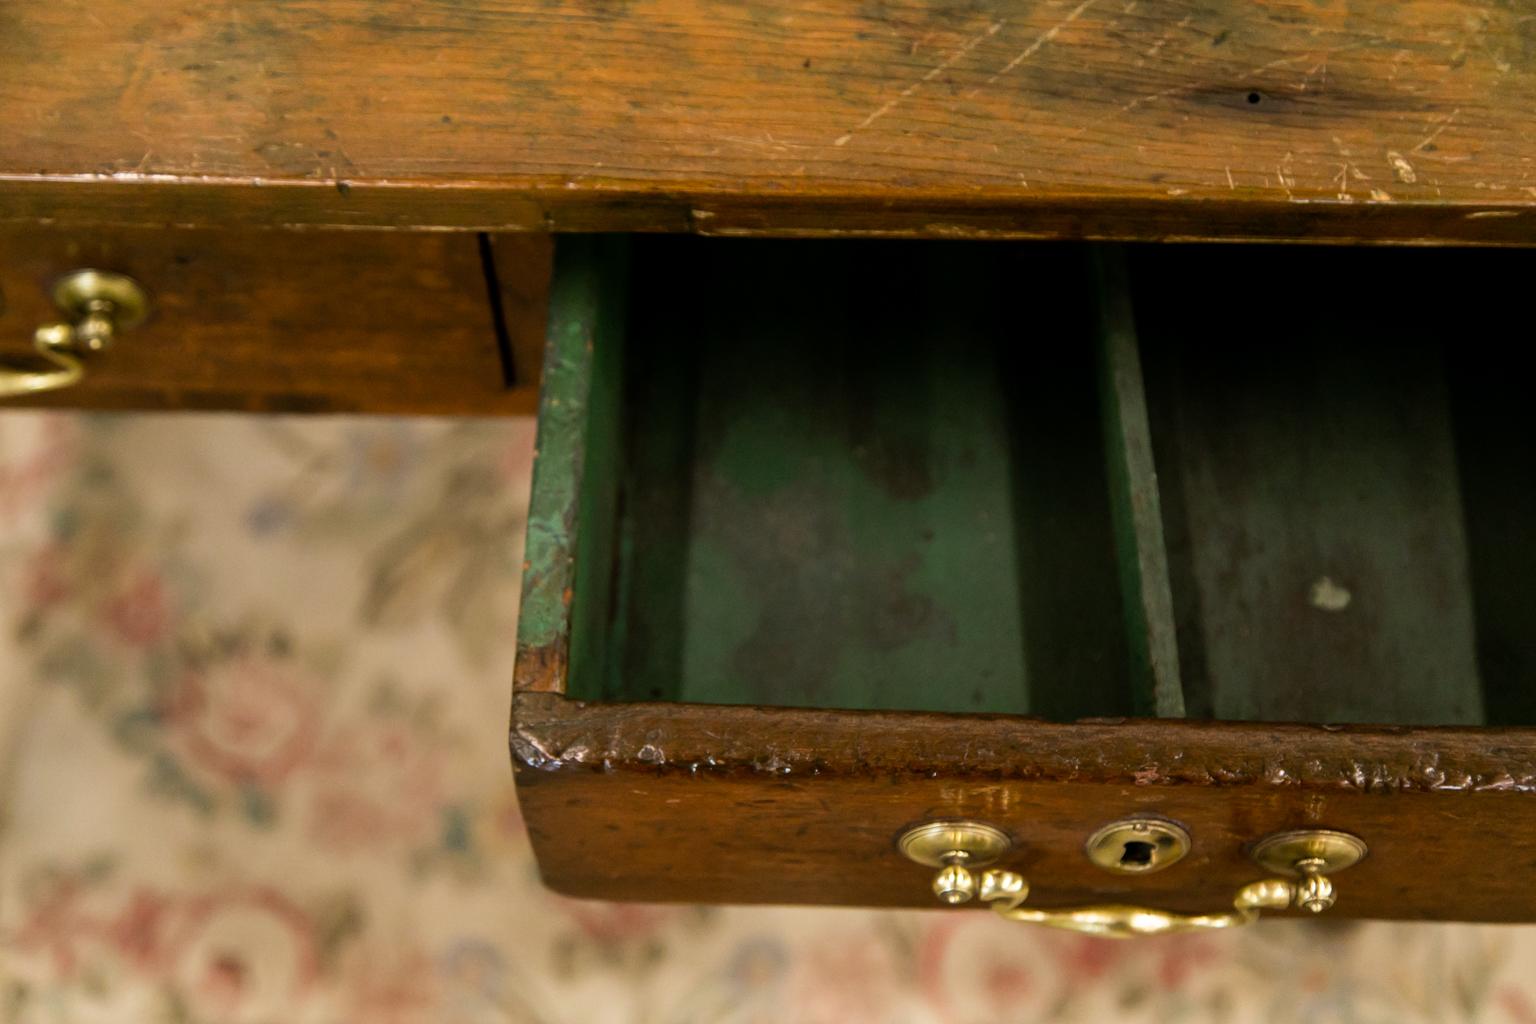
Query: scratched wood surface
point(1399, 120)
point(260, 321)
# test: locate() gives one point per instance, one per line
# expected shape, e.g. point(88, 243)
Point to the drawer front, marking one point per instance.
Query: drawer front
point(272, 321)
point(806, 571)
point(658, 802)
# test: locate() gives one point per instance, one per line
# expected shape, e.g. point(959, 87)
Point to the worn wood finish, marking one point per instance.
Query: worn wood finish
point(1318, 487)
point(1086, 118)
point(1490, 393)
point(826, 503)
point(520, 267)
point(706, 802)
point(577, 406)
point(688, 802)
point(273, 322)
point(1137, 508)
point(831, 502)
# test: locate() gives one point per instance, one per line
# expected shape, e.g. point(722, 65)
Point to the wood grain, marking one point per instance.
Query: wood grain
point(697, 802)
point(1136, 505)
point(746, 805)
point(1312, 483)
point(521, 266)
point(282, 322)
point(1396, 121)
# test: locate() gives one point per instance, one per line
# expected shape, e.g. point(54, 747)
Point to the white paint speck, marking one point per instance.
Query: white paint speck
point(1328, 596)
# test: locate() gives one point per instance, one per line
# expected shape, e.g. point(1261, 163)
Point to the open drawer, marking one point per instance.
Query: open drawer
point(281, 321)
point(830, 540)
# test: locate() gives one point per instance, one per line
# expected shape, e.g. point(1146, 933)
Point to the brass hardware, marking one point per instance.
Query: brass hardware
point(1311, 855)
point(97, 305)
point(955, 847)
point(1137, 846)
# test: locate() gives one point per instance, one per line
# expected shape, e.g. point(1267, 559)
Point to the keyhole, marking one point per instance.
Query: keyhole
point(1137, 846)
point(1137, 854)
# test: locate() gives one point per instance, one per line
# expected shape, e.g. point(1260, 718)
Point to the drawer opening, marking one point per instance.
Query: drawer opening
point(857, 475)
point(1238, 483)
point(1348, 481)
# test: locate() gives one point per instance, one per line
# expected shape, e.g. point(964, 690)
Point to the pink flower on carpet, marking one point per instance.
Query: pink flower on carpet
point(1006, 982)
point(139, 613)
point(399, 987)
point(250, 720)
point(617, 923)
point(1517, 1005)
point(972, 966)
point(378, 781)
point(1084, 960)
point(1183, 956)
point(47, 577)
point(64, 925)
point(854, 977)
point(35, 451)
point(54, 924)
point(244, 955)
point(138, 933)
point(247, 954)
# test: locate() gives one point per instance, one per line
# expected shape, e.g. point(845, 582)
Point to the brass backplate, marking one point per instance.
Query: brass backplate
point(1137, 846)
point(936, 843)
point(1283, 851)
point(77, 292)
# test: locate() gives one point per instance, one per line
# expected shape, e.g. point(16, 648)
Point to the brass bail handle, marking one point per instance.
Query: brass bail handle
point(97, 306)
point(1305, 856)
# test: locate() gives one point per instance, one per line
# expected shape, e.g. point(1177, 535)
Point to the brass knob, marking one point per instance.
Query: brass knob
point(97, 306)
point(1308, 856)
point(1315, 891)
point(954, 847)
point(955, 883)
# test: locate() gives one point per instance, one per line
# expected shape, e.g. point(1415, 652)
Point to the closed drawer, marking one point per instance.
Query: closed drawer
point(829, 540)
point(385, 322)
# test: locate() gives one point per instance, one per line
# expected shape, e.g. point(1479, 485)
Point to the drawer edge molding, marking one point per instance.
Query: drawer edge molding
point(513, 206)
point(551, 733)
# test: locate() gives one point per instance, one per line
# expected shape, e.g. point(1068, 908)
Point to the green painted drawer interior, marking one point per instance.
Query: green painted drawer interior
point(919, 476)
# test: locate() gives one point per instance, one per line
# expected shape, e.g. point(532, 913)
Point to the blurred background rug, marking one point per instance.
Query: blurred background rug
point(254, 679)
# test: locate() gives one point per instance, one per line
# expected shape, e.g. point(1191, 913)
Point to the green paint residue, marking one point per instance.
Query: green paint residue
point(754, 458)
point(817, 514)
point(579, 295)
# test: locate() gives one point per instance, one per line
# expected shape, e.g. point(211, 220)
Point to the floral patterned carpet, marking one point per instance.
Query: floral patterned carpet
point(253, 687)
